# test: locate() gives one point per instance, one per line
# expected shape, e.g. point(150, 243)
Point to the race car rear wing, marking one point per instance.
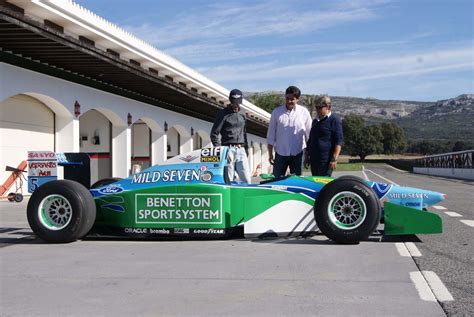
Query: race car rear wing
point(43, 168)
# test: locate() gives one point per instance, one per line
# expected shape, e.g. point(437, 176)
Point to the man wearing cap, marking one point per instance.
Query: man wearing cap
point(230, 125)
point(287, 134)
point(325, 140)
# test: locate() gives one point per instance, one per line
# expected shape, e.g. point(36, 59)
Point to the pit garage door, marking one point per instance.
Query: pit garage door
point(26, 124)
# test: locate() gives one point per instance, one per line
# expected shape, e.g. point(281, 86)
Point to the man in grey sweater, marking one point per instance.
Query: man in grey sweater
point(230, 125)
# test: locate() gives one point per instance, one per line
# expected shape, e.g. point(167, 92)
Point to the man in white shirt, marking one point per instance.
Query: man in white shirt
point(287, 134)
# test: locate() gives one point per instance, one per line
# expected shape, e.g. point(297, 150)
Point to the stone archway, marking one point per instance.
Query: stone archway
point(32, 122)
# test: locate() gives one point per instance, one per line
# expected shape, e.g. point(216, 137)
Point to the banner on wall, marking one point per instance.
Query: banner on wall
point(42, 168)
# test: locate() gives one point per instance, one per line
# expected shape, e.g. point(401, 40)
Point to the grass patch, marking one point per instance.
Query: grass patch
point(344, 167)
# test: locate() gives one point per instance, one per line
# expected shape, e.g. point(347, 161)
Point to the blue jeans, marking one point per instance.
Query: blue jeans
point(238, 163)
point(283, 162)
point(321, 169)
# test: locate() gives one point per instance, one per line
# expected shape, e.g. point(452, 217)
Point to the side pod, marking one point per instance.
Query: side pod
point(400, 220)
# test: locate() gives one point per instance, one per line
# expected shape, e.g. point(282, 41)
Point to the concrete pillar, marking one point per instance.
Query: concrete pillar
point(121, 151)
point(158, 147)
point(67, 138)
point(269, 166)
point(265, 163)
point(206, 143)
point(186, 144)
point(250, 159)
point(257, 156)
point(67, 134)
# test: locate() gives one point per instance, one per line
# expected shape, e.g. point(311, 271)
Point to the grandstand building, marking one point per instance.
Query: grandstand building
point(71, 81)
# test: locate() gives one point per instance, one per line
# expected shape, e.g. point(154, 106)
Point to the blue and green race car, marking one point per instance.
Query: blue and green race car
point(190, 197)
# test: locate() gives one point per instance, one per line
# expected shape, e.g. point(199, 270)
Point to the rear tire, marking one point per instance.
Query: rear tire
point(347, 210)
point(61, 211)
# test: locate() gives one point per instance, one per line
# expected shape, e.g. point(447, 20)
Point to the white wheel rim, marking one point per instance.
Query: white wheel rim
point(347, 210)
point(55, 212)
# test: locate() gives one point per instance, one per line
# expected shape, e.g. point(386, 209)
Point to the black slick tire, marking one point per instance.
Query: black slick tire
point(356, 178)
point(347, 210)
point(61, 211)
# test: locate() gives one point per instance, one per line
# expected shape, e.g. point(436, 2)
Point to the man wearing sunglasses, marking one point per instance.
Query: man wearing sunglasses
point(325, 140)
point(287, 134)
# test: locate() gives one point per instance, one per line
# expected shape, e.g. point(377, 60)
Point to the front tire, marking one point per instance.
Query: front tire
point(61, 211)
point(347, 210)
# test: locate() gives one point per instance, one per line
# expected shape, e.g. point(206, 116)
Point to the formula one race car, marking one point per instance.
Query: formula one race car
point(190, 197)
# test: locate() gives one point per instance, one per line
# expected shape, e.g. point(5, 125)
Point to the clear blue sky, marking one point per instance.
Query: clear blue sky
point(410, 50)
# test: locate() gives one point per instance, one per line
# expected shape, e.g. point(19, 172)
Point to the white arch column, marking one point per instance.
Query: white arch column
point(121, 151)
point(265, 163)
point(186, 143)
point(159, 149)
point(257, 157)
point(250, 159)
point(205, 138)
point(67, 134)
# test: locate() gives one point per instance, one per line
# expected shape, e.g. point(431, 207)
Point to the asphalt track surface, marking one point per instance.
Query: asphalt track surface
point(451, 254)
point(400, 276)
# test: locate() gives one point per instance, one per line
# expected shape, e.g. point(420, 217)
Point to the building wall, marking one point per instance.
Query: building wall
point(95, 134)
point(94, 130)
point(51, 104)
point(197, 141)
point(140, 146)
point(173, 143)
point(25, 125)
point(141, 140)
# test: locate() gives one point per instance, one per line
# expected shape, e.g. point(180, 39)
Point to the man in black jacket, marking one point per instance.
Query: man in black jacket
point(230, 125)
point(325, 140)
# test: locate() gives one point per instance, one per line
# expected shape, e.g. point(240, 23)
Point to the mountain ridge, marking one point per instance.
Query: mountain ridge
point(448, 119)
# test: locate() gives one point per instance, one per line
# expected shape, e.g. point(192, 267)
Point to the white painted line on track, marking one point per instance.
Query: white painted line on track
point(407, 249)
point(412, 249)
point(402, 249)
point(470, 223)
point(363, 173)
point(398, 170)
point(422, 287)
point(452, 214)
point(440, 291)
point(439, 207)
point(378, 175)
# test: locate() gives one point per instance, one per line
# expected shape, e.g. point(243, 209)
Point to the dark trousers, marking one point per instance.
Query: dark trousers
point(283, 162)
point(320, 169)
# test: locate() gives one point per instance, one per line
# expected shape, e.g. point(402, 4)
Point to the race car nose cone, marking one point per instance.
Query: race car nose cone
point(434, 197)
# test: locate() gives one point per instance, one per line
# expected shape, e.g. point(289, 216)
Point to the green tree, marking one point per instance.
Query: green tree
point(359, 139)
point(311, 101)
point(268, 101)
point(428, 147)
point(371, 142)
point(394, 140)
point(459, 146)
point(352, 125)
